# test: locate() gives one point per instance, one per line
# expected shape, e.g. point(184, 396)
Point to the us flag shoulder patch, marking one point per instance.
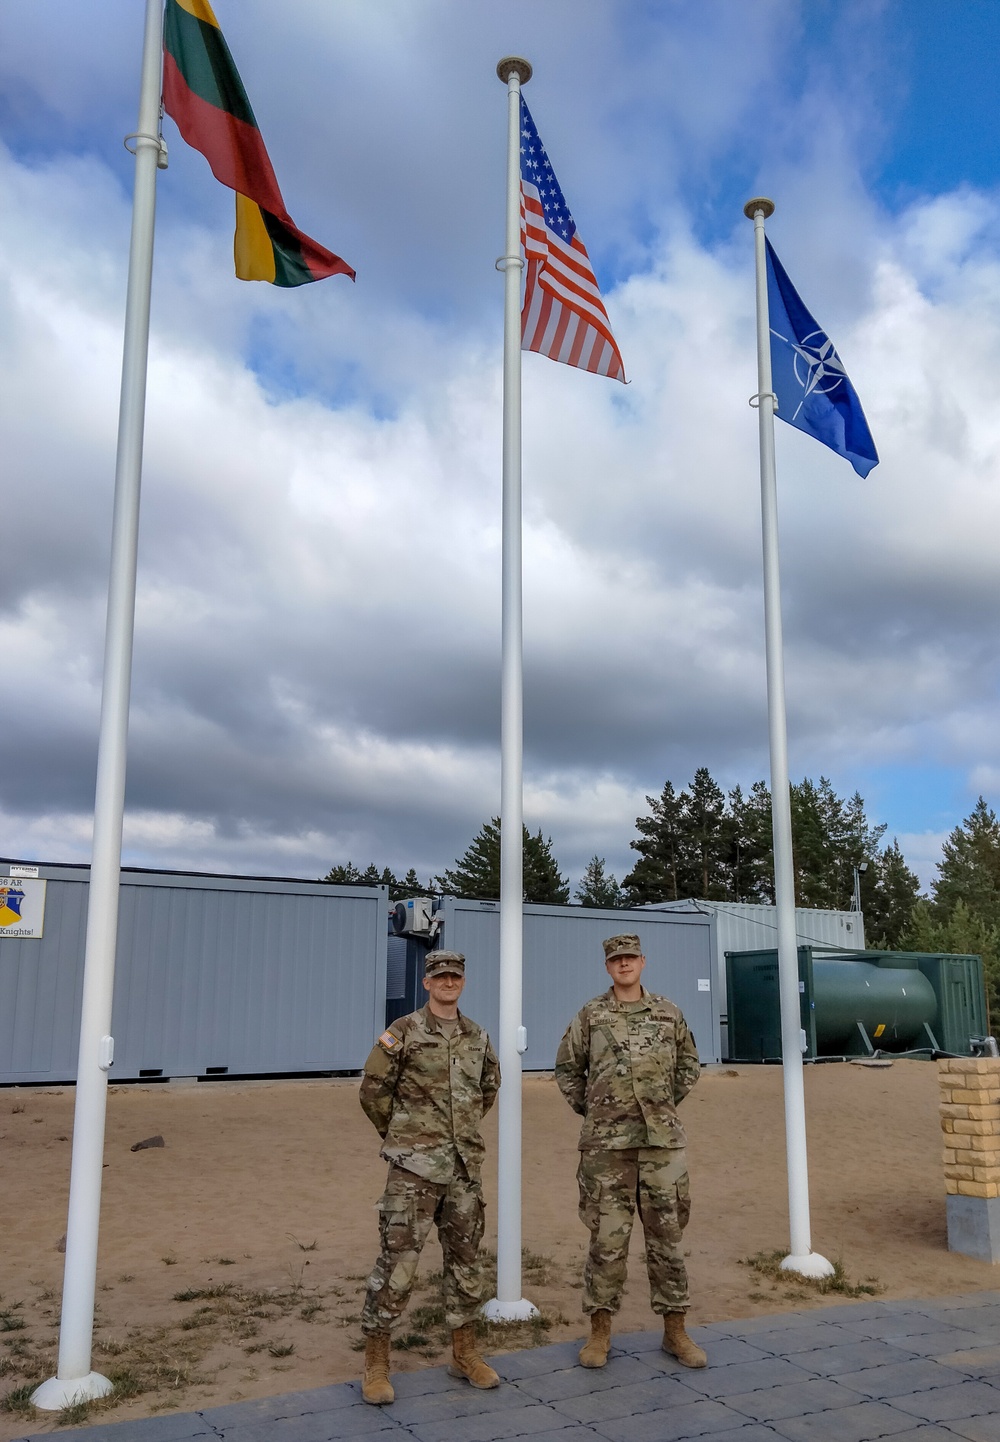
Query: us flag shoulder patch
point(389, 1040)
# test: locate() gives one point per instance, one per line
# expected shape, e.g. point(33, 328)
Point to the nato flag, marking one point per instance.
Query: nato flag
point(813, 389)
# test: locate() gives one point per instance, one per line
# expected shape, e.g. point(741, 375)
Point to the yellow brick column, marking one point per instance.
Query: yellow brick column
point(970, 1126)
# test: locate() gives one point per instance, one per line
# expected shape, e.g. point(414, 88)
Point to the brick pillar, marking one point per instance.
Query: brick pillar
point(970, 1123)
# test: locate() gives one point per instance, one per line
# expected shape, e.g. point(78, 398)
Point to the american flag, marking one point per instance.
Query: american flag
point(563, 316)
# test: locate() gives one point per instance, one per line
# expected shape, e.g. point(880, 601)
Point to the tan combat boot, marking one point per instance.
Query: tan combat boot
point(595, 1352)
point(677, 1342)
point(376, 1387)
point(466, 1361)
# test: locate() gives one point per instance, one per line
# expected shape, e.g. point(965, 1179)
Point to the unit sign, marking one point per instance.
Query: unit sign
point(22, 907)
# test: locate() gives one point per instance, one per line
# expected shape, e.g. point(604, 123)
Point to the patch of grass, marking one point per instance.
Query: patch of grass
point(10, 1323)
point(74, 1414)
point(537, 1269)
point(768, 1264)
point(226, 1261)
point(19, 1108)
point(310, 1310)
point(169, 1261)
point(199, 1294)
point(515, 1336)
point(304, 1246)
point(411, 1341)
point(281, 1349)
point(127, 1277)
point(127, 1383)
point(110, 1347)
point(295, 1276)
point(18, 1400)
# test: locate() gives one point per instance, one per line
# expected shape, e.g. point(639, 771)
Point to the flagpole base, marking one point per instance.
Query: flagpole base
point(811, 1265)
point(521, 1311)
point(60, 1392)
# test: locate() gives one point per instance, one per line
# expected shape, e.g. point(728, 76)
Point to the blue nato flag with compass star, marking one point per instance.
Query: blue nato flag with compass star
point(808, 377)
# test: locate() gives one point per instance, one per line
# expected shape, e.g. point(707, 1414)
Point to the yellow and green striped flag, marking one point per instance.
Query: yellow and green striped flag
point(204, 94)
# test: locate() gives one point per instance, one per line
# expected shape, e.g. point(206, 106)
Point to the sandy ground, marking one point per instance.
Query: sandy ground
point(232, 1259)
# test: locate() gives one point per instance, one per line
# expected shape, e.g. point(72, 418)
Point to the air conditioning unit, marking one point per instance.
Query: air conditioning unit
point(413, 917)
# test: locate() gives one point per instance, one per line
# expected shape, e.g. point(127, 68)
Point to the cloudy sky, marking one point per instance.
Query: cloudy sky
point(317, 635)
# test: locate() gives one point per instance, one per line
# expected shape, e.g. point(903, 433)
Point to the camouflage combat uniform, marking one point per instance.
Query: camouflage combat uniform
point(624, 1067)
point(426, 1094)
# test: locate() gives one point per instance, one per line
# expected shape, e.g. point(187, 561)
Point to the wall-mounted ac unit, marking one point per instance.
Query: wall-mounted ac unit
point(413, 917)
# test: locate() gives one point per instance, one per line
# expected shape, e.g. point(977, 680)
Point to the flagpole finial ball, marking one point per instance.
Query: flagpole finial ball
point(762, 203)
point(514, 65)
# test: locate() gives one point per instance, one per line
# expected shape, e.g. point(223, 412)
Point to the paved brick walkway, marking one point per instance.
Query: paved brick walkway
point(912, 1371)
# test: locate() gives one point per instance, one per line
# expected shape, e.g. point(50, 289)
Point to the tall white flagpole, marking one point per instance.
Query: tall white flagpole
point(802, 1258)
point(75, 1381)
point(508, 1304)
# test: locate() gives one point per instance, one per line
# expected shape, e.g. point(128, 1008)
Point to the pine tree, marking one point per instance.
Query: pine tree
point(814, 814)
point(477, 873)
point(748, 866)
point(409, 886)
point(889, 894)
point(597, 889)
point(970, 868)
point(964, 933)
point(345, 875)
point(655, 877)
point(704, 838)
point(350, 875)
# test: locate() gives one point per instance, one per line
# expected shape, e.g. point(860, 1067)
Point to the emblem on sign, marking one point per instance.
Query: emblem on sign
point(11, 901)
point(22, 908)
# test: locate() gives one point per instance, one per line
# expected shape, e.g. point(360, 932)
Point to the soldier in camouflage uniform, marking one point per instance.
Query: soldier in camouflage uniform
point(626, 1061)
point(427, 1084)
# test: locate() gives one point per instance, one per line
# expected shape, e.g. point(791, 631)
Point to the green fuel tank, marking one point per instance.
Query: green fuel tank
point(892, 1003)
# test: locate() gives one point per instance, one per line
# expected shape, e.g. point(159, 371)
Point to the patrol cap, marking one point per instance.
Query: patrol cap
point(624, 945)
point(438, 963)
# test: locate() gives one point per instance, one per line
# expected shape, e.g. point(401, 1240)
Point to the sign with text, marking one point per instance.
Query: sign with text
point(22, 907)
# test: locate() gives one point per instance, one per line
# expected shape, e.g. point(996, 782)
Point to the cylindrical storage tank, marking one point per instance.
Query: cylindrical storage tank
point(891, 1004)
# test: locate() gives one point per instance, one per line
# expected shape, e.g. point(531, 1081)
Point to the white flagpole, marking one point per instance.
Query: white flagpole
point(75, 1381)
point(802, 1258)
point(508, 1304)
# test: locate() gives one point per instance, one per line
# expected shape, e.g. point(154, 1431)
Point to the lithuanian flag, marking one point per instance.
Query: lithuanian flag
point(203, 92)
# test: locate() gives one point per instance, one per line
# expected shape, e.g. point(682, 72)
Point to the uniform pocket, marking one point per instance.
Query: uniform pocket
point(471, 1063)
point(396, 1223)
point(590, 1194)
point(684, 1201)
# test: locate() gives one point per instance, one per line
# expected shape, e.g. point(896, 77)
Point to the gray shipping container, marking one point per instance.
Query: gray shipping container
point(564, 967)
point(215, 975)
